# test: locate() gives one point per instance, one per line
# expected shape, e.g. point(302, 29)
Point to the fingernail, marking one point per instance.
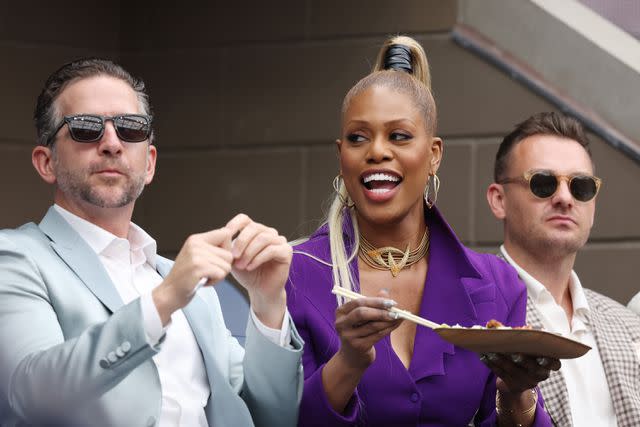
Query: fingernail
point(393, 315)
point(388, 303)
point(517, 358)
point(542, 361)
point(385, 290)
point(492, 357)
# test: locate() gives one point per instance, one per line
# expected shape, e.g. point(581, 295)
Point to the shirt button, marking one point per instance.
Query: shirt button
point(119, 352)
point(104, 363)
point(111, 357)
point(414, 397)
point(126, 346)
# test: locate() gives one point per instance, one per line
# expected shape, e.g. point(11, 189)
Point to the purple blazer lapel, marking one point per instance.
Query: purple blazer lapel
point(452, 288)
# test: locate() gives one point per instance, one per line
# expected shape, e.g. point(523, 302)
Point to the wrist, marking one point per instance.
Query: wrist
point(354, 364)
point(269, 309)
point(517, 408)
point(165, 303)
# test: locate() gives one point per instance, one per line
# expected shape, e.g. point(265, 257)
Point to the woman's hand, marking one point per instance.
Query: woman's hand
point(518, 375)
point(519, 372)
point(360, 323)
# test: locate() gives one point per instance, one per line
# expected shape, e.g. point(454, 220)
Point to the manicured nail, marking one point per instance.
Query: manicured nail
point(542, 361)
point(393, 315)
point(517, 358)
point(388, 303)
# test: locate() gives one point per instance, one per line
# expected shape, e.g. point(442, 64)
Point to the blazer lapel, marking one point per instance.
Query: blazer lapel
point(554, 389)
point(445, 297)
point(619, 360)
point(199, 316)
point(225, 406)
point(80, 258)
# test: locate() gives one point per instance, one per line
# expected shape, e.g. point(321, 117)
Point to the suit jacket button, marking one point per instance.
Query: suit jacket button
point(151, 421)
point(111, 357)
point(104, 363)
point(126, 346)
point(119, 352)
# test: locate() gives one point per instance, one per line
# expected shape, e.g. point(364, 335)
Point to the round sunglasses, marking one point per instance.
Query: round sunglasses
point(544, 184)
point(90, 127)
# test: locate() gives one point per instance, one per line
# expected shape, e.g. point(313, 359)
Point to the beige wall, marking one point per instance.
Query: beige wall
point(246, 105)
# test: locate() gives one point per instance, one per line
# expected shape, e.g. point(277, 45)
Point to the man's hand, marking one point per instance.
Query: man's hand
point(202, 255)
point(261, 260)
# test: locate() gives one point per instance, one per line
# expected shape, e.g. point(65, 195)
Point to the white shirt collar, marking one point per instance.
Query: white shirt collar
point(136, 249)
point(537, 291)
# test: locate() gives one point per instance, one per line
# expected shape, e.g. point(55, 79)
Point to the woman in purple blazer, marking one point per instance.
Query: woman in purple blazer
point(385, 239)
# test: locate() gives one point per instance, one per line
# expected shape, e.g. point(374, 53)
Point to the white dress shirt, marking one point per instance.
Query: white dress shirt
point(587, 388)
point(131, 265)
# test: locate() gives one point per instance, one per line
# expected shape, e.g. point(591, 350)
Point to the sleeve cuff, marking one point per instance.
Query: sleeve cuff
point(315, 409)
point(280, 337)
point(151, 320)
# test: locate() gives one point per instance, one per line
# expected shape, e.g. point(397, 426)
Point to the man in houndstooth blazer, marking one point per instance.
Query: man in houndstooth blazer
point(548, 213)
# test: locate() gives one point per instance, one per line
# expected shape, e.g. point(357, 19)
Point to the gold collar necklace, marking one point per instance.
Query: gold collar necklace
point(390, 258)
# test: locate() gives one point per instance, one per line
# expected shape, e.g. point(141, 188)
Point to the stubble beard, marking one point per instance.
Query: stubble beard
point(77, 185)
point(548, 244)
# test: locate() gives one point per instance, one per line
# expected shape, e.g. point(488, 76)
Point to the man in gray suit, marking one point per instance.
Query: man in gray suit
point(545, 194)
point(96, 328)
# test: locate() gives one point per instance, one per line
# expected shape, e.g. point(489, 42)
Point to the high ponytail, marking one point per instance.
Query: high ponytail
point(403, 53)
point(401, 65)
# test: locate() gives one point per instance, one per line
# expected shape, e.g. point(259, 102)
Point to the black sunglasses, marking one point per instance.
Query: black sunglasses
point(544, 184)
point(90, 127)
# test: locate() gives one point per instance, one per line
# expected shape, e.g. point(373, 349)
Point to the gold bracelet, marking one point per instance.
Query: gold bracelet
point(500, 410)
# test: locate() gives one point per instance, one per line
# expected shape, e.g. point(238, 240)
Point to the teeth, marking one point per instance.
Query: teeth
point(380, 177)
point(380, 190)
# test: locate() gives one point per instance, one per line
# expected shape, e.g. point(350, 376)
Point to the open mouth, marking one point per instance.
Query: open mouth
point(380, 182)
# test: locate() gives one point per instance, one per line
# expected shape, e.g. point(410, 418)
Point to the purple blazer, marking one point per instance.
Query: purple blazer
point(444, 385)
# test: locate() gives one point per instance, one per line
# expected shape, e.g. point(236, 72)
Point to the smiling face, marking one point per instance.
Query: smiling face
point(386, 155)
point(556, 225)
point(108, 173)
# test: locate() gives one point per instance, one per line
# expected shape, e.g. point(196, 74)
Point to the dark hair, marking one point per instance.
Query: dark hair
point(401, 65)
point(548, 123)
point(46, 116)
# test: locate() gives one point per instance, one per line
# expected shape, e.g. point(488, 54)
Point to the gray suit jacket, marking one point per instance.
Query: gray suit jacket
point(617, 333)
point(72, 354)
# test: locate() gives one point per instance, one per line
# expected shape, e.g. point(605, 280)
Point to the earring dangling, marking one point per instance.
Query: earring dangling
point(336, 186)
point(436, 188)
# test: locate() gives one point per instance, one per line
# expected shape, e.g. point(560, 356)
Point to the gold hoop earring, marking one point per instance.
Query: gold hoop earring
point(336, 186)
point(436, 188)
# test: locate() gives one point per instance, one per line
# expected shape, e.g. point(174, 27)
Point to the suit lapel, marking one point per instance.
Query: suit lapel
point(225, 407)
point(554, 389)
point(199, 316)
point(80, 258)
point(619, 361)
point(445, 299)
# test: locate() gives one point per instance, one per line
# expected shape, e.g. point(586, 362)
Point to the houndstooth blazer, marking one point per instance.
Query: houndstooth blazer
point(617, 334)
